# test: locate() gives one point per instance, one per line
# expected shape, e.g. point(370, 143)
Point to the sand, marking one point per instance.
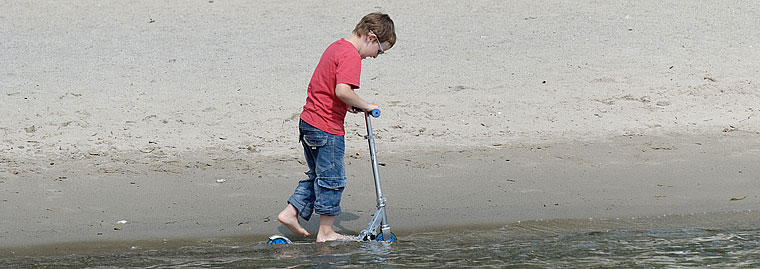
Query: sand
point(180, 118)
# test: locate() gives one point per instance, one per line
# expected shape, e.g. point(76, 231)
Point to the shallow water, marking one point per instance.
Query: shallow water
point(697, 240)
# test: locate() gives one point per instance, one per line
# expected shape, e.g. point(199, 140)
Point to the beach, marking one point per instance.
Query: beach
point(176, 122)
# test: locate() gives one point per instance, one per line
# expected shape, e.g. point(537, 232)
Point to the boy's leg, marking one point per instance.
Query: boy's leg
point(289, 218)
point(328, 187)
point(301, 203)
point(326, 231)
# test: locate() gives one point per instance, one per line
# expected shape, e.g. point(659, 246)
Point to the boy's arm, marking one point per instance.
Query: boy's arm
point(348, 96)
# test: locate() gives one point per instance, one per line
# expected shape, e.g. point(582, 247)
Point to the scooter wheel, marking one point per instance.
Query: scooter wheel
point(277, 241)
point(380, 238)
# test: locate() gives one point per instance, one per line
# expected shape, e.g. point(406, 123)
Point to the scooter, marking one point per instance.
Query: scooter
point(378, 228)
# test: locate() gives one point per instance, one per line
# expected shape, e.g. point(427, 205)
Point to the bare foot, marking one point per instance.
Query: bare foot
point(326, 231)
point(289, 218)
point(333, 237)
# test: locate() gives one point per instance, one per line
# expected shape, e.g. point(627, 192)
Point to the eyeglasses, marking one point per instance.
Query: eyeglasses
point(379, 45)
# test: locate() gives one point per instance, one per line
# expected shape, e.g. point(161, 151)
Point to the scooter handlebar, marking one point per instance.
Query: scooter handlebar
point(375, 112)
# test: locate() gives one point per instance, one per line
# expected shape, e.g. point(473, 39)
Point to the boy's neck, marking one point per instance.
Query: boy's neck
point(356, 41)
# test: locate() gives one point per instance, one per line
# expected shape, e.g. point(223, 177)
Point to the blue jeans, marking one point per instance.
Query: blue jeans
point(321, 192)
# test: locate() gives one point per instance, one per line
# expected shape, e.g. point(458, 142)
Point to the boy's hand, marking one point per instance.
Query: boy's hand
point(371, 107)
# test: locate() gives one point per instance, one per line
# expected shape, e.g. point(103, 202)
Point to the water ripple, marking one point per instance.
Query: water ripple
point(676, 241)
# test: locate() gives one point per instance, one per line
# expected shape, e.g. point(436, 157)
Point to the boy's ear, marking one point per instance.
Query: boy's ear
point(370, 35)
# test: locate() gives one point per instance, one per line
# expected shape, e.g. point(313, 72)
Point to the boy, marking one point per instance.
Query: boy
point(329, 96)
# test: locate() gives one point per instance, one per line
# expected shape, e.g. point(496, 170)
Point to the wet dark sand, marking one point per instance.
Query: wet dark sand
point(633, 176)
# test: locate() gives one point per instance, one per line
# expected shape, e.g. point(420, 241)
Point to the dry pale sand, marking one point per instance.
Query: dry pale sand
point(493, 112)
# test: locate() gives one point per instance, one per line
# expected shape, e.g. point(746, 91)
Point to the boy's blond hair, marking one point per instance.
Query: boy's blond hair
point(380, 24)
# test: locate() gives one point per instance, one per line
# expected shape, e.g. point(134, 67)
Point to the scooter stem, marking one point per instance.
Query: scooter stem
point(371, 140)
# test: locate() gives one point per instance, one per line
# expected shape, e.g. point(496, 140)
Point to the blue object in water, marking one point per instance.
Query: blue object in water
point(278, 240)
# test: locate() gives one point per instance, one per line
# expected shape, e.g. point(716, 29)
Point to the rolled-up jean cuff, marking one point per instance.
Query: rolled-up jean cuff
point(299, 208)
point(329, 192)
point(334, 211)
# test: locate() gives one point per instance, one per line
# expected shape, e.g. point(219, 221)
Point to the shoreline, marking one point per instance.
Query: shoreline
point(627, 176)
point(742, 220)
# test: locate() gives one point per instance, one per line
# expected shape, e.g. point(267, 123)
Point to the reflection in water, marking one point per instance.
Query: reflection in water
point(729, 239)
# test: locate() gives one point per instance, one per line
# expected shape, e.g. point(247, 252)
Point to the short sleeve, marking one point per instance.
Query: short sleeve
point(349, 69)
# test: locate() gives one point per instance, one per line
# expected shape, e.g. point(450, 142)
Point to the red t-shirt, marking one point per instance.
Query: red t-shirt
point(340, 63)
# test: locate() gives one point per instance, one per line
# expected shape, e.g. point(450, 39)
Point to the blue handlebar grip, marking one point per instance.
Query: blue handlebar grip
point(375, 112)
